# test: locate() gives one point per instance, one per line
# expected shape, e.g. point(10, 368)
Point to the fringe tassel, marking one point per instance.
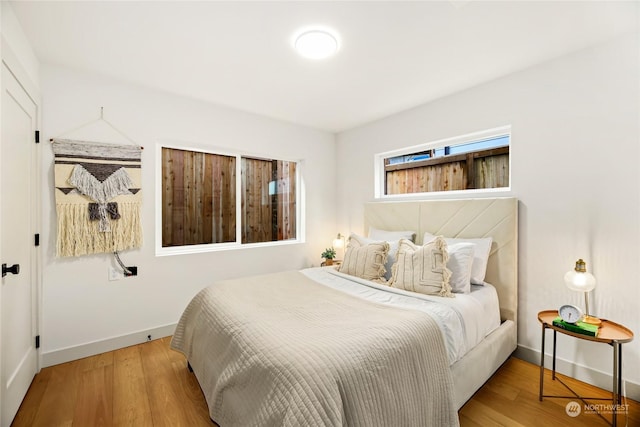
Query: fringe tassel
point(117, 184)
point(441, 245)
point(77, 235)
point(380, 261)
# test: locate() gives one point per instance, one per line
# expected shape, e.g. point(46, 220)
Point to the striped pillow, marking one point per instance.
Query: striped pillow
point(422, 269)
point(365, 259)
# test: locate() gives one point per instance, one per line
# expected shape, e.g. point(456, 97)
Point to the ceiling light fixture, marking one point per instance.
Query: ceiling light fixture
point(316, 43)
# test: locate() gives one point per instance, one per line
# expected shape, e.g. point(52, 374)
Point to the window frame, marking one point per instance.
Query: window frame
point(380, 176)
point(225, 246)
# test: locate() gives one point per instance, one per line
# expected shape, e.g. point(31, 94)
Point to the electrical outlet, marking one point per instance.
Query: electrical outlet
point(115, 274)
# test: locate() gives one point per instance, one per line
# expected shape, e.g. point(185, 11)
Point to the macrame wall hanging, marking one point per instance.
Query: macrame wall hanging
point(98, 197)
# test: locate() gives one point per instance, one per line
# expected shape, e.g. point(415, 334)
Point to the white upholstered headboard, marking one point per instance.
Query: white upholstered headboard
point(492, 217)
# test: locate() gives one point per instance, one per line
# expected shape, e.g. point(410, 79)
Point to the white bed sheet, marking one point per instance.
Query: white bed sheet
point(464, 320)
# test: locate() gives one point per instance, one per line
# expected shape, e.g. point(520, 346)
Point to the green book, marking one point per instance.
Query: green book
point(578, 327)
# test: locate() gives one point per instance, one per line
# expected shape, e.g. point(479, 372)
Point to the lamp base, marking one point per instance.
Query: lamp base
point(591, 320)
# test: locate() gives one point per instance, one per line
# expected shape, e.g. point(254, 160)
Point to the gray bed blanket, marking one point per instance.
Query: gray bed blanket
point(283, 350)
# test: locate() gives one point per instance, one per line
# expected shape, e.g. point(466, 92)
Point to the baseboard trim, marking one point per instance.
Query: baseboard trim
point(63, 355)
point(579, 372)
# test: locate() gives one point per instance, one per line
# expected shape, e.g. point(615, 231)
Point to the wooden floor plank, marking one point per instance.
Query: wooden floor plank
point(487, 416)
point(165, 394)
point(94, 405)
point(59, 401)
point(31, 404)
point(130, 395)
point(150, 385)
point(194, 402)
point(163, 400)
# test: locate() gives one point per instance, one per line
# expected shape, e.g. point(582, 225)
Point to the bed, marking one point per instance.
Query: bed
point(320, 347)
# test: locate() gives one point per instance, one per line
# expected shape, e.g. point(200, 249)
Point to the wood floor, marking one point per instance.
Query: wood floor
point(150, 385)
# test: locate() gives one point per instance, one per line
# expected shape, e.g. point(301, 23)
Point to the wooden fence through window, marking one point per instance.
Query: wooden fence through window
point(478, 169)
point(268, 200)
point(198, 198)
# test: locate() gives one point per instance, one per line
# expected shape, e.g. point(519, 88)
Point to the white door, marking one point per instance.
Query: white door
point(17, 217)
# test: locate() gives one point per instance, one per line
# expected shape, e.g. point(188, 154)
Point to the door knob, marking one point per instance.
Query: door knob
point(14, 269)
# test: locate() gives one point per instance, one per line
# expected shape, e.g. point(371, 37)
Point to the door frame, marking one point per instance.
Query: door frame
point(13, 64)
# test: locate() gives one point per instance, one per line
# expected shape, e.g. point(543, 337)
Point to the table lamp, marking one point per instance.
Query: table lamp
point(338, 243)
point(580, 280)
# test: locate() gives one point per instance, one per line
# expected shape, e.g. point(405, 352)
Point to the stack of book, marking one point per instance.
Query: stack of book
point(578, 327)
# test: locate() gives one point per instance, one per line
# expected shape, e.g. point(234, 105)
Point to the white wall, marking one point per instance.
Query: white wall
point(574, 152)
point(17, 43)
point(80, 305)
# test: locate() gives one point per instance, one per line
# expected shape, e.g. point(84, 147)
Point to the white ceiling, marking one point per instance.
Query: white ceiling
point(394, 55)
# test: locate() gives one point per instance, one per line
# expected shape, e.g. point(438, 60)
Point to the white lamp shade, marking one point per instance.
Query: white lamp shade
point(580, 281)
point(338, 242)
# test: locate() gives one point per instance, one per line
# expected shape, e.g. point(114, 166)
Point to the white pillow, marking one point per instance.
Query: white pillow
point(460, 262)
point(480, 255)
point(422, 269)
point(390, 236)
point(393, 238)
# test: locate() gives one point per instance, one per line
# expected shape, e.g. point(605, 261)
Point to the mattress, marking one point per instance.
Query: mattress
point(464, 320)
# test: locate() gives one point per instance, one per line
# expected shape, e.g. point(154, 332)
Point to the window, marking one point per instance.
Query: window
point(202, 208)
point(268, 200)
point(198, 198)
point(478, 161)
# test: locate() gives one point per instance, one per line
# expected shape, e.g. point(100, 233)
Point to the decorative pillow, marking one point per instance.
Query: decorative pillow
point(422, 268)
point(365, 259)
point(460, 262)
point(480, 255)
point(393, 238)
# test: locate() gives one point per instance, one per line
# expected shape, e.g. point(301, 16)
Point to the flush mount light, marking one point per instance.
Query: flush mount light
point(316, 43)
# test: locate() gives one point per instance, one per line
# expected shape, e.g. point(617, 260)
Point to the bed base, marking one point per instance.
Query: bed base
point(479, 364)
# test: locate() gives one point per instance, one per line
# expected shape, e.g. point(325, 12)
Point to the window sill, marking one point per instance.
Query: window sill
point(455, 194)
point(219, 247)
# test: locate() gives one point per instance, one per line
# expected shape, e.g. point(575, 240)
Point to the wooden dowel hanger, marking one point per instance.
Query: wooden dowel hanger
point(100, 119)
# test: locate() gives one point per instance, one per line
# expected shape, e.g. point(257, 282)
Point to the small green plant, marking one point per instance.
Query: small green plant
point(329, 253)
